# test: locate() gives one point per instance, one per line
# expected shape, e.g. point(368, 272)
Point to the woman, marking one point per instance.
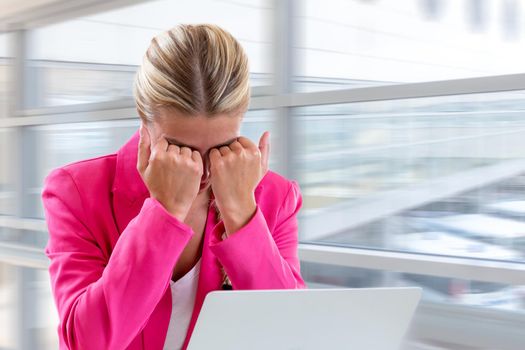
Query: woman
point(187, 206)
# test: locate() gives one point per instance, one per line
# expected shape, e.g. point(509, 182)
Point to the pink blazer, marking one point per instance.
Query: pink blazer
point(112, 250)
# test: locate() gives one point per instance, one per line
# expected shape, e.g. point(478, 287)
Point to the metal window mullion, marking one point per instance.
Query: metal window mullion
point(284, 32)
point(281, 102)
point(23, 167)
point(433, 265)
point(481, 85)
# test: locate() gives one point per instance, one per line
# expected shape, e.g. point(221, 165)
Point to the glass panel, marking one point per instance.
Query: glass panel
point(4, 45)
point(7, 186)
point(435, 289)
point(26, 301)
point(436, 175)
point(5, 64)
point(4, 92)
point(94, 58)
point(61, 83)
point(380, 43)
point(58, 145)
point(7, 306)
point(47, 320)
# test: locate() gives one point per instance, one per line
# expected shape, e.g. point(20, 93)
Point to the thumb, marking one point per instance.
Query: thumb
point(264, 147)
point(143, 149)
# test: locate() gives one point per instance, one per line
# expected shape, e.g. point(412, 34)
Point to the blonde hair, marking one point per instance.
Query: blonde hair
point(193, 69)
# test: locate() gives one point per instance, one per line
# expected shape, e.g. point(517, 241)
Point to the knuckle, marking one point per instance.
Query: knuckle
point(197, 169)
point(218, 164)
point(156, 157)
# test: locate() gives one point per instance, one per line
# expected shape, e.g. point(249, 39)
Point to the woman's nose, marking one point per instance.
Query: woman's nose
point(205, 168)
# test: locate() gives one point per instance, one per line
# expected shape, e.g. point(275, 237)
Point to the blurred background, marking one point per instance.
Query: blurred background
point(403, 122)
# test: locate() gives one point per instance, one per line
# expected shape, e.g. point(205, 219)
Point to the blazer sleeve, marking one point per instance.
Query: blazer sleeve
point(255, 258)
point(104, 303)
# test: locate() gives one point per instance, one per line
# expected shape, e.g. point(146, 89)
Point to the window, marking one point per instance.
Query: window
point(350, 44)
point(5, 66)
point(94, 58)
point(403, 124)
point(432, 9)
point(511, 14)
point(477, 14)
point(7, 191)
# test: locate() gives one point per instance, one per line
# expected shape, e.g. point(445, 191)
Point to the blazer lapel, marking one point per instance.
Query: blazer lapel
point(129, 190)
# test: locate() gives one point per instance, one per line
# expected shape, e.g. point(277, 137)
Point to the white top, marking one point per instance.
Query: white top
point(182, 299)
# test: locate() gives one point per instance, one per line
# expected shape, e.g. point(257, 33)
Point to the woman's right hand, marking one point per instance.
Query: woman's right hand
point(171, 173)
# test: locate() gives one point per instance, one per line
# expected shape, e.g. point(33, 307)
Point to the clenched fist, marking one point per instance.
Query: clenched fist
point(235, 171)
point(171, 173)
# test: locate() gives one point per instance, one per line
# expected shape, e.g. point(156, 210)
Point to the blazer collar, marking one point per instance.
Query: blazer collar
point(128, 183)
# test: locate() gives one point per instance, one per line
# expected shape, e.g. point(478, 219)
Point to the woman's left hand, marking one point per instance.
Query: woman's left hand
point(235, 172)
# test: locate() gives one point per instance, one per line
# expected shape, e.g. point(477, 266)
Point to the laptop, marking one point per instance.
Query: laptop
point(304, 319)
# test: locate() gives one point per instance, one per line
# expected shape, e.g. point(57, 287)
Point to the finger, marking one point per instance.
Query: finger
point(236, 146)
point(173, 149)
point(162, 145)
point(196, 156)
point(214, 156)
point(264, 147)
point(143, 148)
point(186, 151)
point(246, 142)
point(224, 150)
